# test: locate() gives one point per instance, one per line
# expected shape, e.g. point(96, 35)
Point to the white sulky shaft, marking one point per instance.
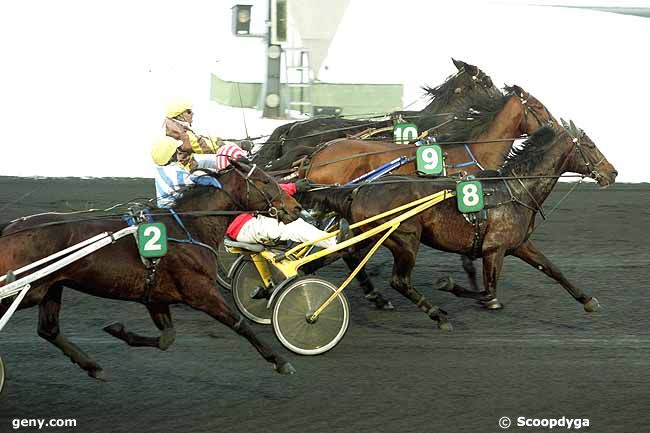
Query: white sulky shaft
point(57, 255)
point(15, 287)
point(10, 312)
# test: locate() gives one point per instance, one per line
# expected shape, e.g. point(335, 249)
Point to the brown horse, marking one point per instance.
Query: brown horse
point(290, 142)
point(495, 123)
point(529, 175)
point(489, 132)
point(185, 275)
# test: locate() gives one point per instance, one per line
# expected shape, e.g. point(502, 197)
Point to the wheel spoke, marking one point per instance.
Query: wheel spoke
point(299, 300)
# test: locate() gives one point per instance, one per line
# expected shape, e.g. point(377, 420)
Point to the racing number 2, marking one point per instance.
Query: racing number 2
point(152, 239)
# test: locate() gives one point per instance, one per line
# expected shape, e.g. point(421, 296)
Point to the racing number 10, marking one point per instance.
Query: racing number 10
point(469, 195)
point(405, 132)
point(152, 239)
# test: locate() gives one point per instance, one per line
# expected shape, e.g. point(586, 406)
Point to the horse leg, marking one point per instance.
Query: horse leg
point(492, 264)
point(161, 317)
point(404, 249)
point(210, 301)
point(48, 328)
point(447, 284)
point(372, 295)
point(529, 253)
point(470, 270)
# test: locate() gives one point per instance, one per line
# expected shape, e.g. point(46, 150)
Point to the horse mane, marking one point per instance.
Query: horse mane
point(484, 109)
point(328, 199)
point(272, 148)
point(514, 89)
point(531, 152)
point(197, 192)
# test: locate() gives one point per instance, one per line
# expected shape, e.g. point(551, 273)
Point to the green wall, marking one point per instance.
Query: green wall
point(352, 98)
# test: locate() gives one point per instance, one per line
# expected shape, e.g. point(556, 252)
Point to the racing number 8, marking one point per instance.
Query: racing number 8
point(469, 196)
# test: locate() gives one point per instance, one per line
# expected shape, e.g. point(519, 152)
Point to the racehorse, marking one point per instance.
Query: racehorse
point(472, 145)
point(481, 141)
point(185, 275)
point(291, 141)
point(528, 177)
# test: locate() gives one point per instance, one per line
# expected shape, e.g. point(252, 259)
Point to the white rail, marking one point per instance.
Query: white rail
point(81, 250)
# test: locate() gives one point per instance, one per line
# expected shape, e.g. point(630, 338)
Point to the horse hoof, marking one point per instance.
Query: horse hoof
point(492, 304)
point(445, 326)
point(286, 368)
point(592, 305)
point(165, 340)
point(445, 284)
point(379, 301)
point(98, 374)
point(114, 329)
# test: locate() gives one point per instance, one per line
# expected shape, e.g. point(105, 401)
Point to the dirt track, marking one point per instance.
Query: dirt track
point(540, 357)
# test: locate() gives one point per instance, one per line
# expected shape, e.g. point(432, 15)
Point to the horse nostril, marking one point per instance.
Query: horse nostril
point(614, 173)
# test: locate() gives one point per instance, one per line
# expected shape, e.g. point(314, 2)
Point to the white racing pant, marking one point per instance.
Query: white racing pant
point(263, 229)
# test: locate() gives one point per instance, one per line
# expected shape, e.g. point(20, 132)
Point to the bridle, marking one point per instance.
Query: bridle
point(576, 135)
point(272, 210)
point(533, 111)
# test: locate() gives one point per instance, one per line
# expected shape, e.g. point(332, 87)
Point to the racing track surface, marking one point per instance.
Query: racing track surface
point(540, 357)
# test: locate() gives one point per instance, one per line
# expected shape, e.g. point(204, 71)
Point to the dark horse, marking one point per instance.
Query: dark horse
point(185, 275)
point(288, 143)
point(494, 125)
point(489, 131)
point(506, 228)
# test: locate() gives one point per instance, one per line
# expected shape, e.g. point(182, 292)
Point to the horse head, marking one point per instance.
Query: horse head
point(459, 88)
point(472, 77)
point(587, 158)
point(261, 192)
point(536, 114)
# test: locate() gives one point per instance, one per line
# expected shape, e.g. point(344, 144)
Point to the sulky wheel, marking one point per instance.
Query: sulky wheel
point(244, 282)
point(2, 374)
point(296, 304)
point(224, 263)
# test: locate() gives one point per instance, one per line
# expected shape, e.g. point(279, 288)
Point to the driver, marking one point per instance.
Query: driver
point(171, 175)
point(178, 125)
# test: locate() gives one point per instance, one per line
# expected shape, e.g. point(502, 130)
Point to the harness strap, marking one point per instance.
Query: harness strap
point(190, 240)
point(180, 223)
point(474, 161)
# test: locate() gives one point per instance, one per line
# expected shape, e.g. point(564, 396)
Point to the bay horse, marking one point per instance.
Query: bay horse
point(186, 274)
point(289, 142)
point(528, 177)
point(495, 124)
point(490, 130)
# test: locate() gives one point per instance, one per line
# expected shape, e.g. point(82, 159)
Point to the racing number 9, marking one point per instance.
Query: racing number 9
point(152, 239)
point(469, 195)
point(429, 159)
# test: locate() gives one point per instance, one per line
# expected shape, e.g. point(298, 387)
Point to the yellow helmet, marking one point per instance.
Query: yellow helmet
point(177, 106)
point(163, 149)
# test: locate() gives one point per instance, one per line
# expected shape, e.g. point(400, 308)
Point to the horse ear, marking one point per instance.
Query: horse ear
point(564, 124)
point(458, 64)
point(237, 164)
point(573, 126)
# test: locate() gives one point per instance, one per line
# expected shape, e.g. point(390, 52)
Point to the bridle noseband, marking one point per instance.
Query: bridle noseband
point(273, 211)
